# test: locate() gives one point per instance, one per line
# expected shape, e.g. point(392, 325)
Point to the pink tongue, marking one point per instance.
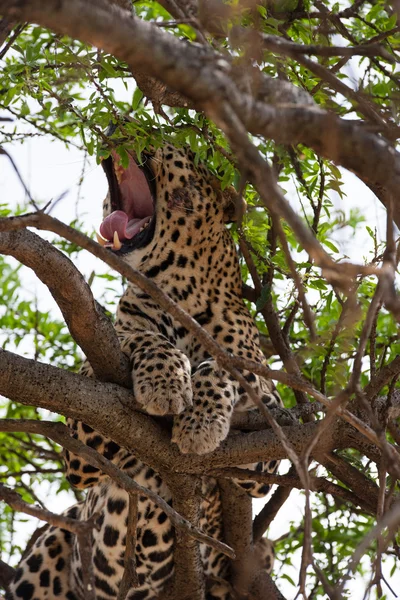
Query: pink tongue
point(118, 221)
point(136, 203)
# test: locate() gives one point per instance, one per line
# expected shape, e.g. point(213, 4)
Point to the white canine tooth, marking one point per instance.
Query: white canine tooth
point(100, 240)
point(117, 244)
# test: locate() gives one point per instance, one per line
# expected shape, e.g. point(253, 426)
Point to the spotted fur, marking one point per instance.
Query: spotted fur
point(191, 256)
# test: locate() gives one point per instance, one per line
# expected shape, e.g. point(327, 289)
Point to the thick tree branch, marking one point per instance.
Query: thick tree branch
point(89, 326)
point(247, 573)
point(188, 575)
point(108, 409)
point(361, 485)
point(264, 587)
point(237, 519)
point(208, 79)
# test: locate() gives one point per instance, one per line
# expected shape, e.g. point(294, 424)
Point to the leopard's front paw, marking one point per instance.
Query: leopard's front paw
point(199, 431)
point(161, 383)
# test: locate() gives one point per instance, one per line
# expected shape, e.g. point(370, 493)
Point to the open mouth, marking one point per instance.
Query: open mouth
point(131, 223)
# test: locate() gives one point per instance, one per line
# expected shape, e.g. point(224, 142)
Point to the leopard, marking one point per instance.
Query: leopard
point(166, 214)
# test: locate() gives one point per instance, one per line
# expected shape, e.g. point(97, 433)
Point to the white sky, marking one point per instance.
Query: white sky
point(49, 169)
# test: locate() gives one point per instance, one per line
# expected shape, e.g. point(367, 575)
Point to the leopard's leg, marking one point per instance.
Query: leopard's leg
point(202, 427)
point(270, 396)
point(161, 384)
point(82, 474)
point(79, 472)
point(160, 373)
point(257, 489)
point(44, 573)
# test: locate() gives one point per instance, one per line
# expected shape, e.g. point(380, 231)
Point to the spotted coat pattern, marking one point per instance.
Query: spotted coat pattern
point(192, 257)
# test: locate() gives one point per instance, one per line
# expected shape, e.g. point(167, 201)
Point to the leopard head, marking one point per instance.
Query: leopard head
point(163, 194)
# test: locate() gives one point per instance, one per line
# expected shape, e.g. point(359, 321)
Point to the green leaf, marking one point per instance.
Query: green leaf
point(331, 246)
point(264, 297)
point(137, 98)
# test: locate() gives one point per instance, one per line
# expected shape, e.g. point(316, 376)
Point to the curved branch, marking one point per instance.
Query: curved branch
point(107, 408)
point(89, 326)
point(208, 79)
point(81, 528)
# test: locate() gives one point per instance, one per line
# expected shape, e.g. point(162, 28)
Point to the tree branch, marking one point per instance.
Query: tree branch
point(249, 578)
point(7, 574)
point(109, 409)
point(89, 326)
point(208, 79)
point(268, 513)
point(317, 484)
point(237, 519)
point(82, 529)
point(188, 575)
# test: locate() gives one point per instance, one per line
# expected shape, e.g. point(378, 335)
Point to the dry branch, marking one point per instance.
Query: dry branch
point(280, 44)
point(7, 574)
point(82, 529)
point(287, 48)
point(15, 501)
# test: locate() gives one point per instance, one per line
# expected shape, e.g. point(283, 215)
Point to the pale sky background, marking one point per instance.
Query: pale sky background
point(49, 169)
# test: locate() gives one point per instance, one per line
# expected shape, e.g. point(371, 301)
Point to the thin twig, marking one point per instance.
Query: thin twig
point(14, 166)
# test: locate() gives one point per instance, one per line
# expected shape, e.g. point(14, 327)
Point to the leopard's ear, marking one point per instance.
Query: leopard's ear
point(234, 205)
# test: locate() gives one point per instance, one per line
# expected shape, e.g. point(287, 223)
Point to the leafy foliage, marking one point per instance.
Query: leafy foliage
point(61, 88)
